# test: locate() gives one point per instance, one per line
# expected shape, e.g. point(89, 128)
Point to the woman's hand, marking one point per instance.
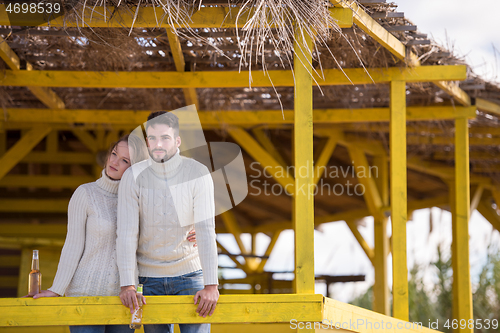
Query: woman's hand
point(46, 293)
point(192, 237)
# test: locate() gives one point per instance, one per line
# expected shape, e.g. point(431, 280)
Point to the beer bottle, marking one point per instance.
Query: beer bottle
point(136, 321)
point(35, 277)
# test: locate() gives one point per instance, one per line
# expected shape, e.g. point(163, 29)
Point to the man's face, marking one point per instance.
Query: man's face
point(162, 142)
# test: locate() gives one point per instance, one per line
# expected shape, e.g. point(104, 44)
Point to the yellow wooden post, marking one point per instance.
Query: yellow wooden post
point(381, 287)
point(462, 292)
point(303, 161)
point(398, 199)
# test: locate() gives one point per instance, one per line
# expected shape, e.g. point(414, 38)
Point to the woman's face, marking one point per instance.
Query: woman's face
point(118, 161)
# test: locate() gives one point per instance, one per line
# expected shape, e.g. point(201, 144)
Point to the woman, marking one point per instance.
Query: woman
point(87, 266)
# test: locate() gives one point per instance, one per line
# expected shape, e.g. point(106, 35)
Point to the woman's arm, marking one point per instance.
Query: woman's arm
point(74, 243)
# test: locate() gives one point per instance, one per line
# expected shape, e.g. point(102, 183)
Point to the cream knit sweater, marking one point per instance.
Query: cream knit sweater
point(87, 266)
point(158, 204)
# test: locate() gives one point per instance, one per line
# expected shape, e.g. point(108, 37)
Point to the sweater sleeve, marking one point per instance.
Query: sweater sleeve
point(204, 215)
point(127, 228)
point(75, 241)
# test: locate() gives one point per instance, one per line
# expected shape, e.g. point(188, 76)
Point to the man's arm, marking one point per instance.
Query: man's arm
point(127, 238)
point(204, 215)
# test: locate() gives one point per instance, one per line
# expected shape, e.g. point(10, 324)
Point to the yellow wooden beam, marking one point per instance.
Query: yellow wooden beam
point(476, 198)
point(373, 28)
point(47, 97)
point(22, 148)
point(443, 140)
point(233, 258)
point(226, 79)
point(462, 291)
point(484, 208)
point(487, 106)
point(454, 91)
point(398, 196)
point(267, 144)
point(26, 230)
point(303, 204)
point(217, 119)
point(324, 157)
point(268, 252)
point(367, 180)
point(87, 139)
point(160, 309)
point(259, 154)
point(351, 318)
point(362, 242)
point(52, 181)
point(150, 17)
point(9, 56)
point(10, 260)
point(59, 158)
point(34, 205)
point(20, 242)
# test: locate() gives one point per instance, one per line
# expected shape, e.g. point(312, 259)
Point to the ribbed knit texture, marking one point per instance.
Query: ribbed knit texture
point(87, 266)
point(154, 198)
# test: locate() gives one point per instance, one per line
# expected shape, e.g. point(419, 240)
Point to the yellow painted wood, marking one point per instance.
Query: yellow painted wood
point(303, 204)
point(454, 90)
point(476, 198)
point(398, 199)
point(381, 287)
point(367, 180)
point(160, 309)
point(373, 28)
point(17, 152)
point(442, 140)
point(490, 214)
point(87, 139)
point(462, 291)
point(268, 252)
point(151, 17)
point(8, 55)
point(362, 242)
point(238, 264)
point(226, 79)
point(259, 154)
point(59, 158)
point(10, 260)
point(356, 319)
point(266, 142)
point(47, 97)
point(487, 106)
point(33, 230)
point(324, 157)
point(51, 181)
point(34, 205)
point(8, 281)
point(35, 329)
point(21, 242)
point(216, 119)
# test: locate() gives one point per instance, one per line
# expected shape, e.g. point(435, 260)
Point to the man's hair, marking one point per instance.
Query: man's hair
point(163, 118)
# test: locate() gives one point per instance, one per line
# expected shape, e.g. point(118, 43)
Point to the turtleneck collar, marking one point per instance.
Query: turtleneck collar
point(168, 168)
point(107, 183)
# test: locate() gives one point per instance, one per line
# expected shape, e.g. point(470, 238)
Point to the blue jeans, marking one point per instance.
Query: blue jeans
point(187, 284)
point(101, 329)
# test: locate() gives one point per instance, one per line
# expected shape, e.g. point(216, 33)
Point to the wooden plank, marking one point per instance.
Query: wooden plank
point(51, 181)
point(22, 148)
point(226, 79)
point(303, 203)
point(160, 309)
point(398, 194)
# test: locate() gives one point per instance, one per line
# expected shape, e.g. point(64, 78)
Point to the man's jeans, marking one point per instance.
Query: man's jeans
point(101, 329)
point(187, 284)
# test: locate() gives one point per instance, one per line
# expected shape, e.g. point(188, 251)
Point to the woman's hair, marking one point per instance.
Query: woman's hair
point(137, 148)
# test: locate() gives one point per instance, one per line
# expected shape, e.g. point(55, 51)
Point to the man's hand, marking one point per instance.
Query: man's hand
point(208, 300)
point(129, 298)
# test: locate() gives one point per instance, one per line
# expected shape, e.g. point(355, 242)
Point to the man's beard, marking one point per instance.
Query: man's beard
point(162, 159)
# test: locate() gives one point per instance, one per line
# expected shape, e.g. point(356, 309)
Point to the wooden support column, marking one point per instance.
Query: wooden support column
point(381, 250)
point(398, 196)
point(303, 160)
point(462, 292)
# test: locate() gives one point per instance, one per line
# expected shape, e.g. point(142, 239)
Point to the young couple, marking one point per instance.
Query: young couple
point(136, 221)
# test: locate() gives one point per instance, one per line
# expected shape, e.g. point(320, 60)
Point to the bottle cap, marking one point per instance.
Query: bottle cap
point(35, 254)
point(139, 288)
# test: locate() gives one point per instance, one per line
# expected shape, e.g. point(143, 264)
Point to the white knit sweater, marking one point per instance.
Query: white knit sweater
point(87, 266)
point(158, 204)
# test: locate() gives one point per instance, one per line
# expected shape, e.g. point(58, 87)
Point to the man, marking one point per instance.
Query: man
point(159, 201)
